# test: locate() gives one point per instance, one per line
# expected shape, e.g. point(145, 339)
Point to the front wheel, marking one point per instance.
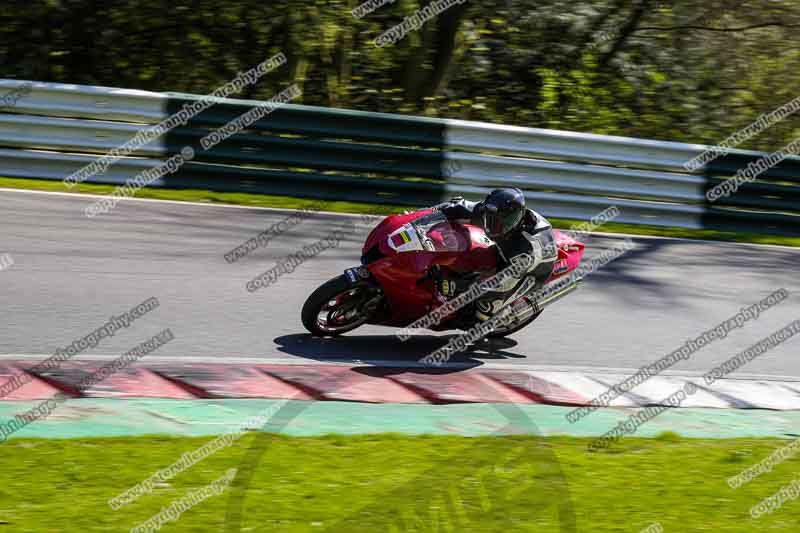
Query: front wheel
point(338, 306)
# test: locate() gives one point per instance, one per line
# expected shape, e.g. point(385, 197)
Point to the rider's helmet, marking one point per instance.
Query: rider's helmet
point(503, 211)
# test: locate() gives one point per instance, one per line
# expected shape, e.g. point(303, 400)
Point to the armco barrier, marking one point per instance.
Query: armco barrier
point(55, 129)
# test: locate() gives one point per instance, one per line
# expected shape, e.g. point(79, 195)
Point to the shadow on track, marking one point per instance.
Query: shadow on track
point(380, 349)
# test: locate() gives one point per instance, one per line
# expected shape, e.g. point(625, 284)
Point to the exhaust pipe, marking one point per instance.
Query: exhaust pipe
point(556, 296)
point(532, 306)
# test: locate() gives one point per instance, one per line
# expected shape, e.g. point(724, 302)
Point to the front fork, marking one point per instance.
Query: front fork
point(362, 276)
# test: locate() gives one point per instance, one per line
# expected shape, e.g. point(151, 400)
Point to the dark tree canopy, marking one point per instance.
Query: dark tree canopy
point(689, 70)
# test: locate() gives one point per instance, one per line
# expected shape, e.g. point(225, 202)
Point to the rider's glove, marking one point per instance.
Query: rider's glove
point(447, 288)
point(488, 307)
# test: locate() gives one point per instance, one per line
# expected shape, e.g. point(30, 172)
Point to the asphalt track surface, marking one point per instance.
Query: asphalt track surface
point(71, 273)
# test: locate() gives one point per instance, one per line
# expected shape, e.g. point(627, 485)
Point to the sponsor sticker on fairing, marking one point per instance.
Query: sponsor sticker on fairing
point(561, 266)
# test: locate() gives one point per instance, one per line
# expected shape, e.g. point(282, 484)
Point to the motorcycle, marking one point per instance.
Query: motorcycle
point(395, 285)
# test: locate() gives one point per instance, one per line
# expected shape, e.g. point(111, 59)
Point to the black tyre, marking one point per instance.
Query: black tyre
point(337, 306)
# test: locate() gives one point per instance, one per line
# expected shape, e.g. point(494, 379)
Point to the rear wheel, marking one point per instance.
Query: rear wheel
point(338, 306)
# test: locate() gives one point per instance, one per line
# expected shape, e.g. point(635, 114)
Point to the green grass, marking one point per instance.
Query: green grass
point(287, 202)
point(389, 483)
point(200, 195)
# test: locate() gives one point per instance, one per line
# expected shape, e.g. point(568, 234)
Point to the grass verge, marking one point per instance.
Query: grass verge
point(287, 202)
point(399, 483)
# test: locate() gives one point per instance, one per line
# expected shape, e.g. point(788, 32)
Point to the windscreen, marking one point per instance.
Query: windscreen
point(438, 234)
point(424, 223)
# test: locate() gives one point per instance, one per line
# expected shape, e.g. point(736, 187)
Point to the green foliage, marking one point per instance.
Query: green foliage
point(687, 70)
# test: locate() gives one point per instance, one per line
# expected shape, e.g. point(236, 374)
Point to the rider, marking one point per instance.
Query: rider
point(515, 229)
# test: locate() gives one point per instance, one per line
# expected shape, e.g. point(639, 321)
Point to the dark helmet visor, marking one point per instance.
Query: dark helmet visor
point(499, 221)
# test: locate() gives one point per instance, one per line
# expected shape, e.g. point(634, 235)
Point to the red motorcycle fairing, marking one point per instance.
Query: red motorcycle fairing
point(380, 233)
point(570, 252)
point(394, 286)
point(459, 247)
